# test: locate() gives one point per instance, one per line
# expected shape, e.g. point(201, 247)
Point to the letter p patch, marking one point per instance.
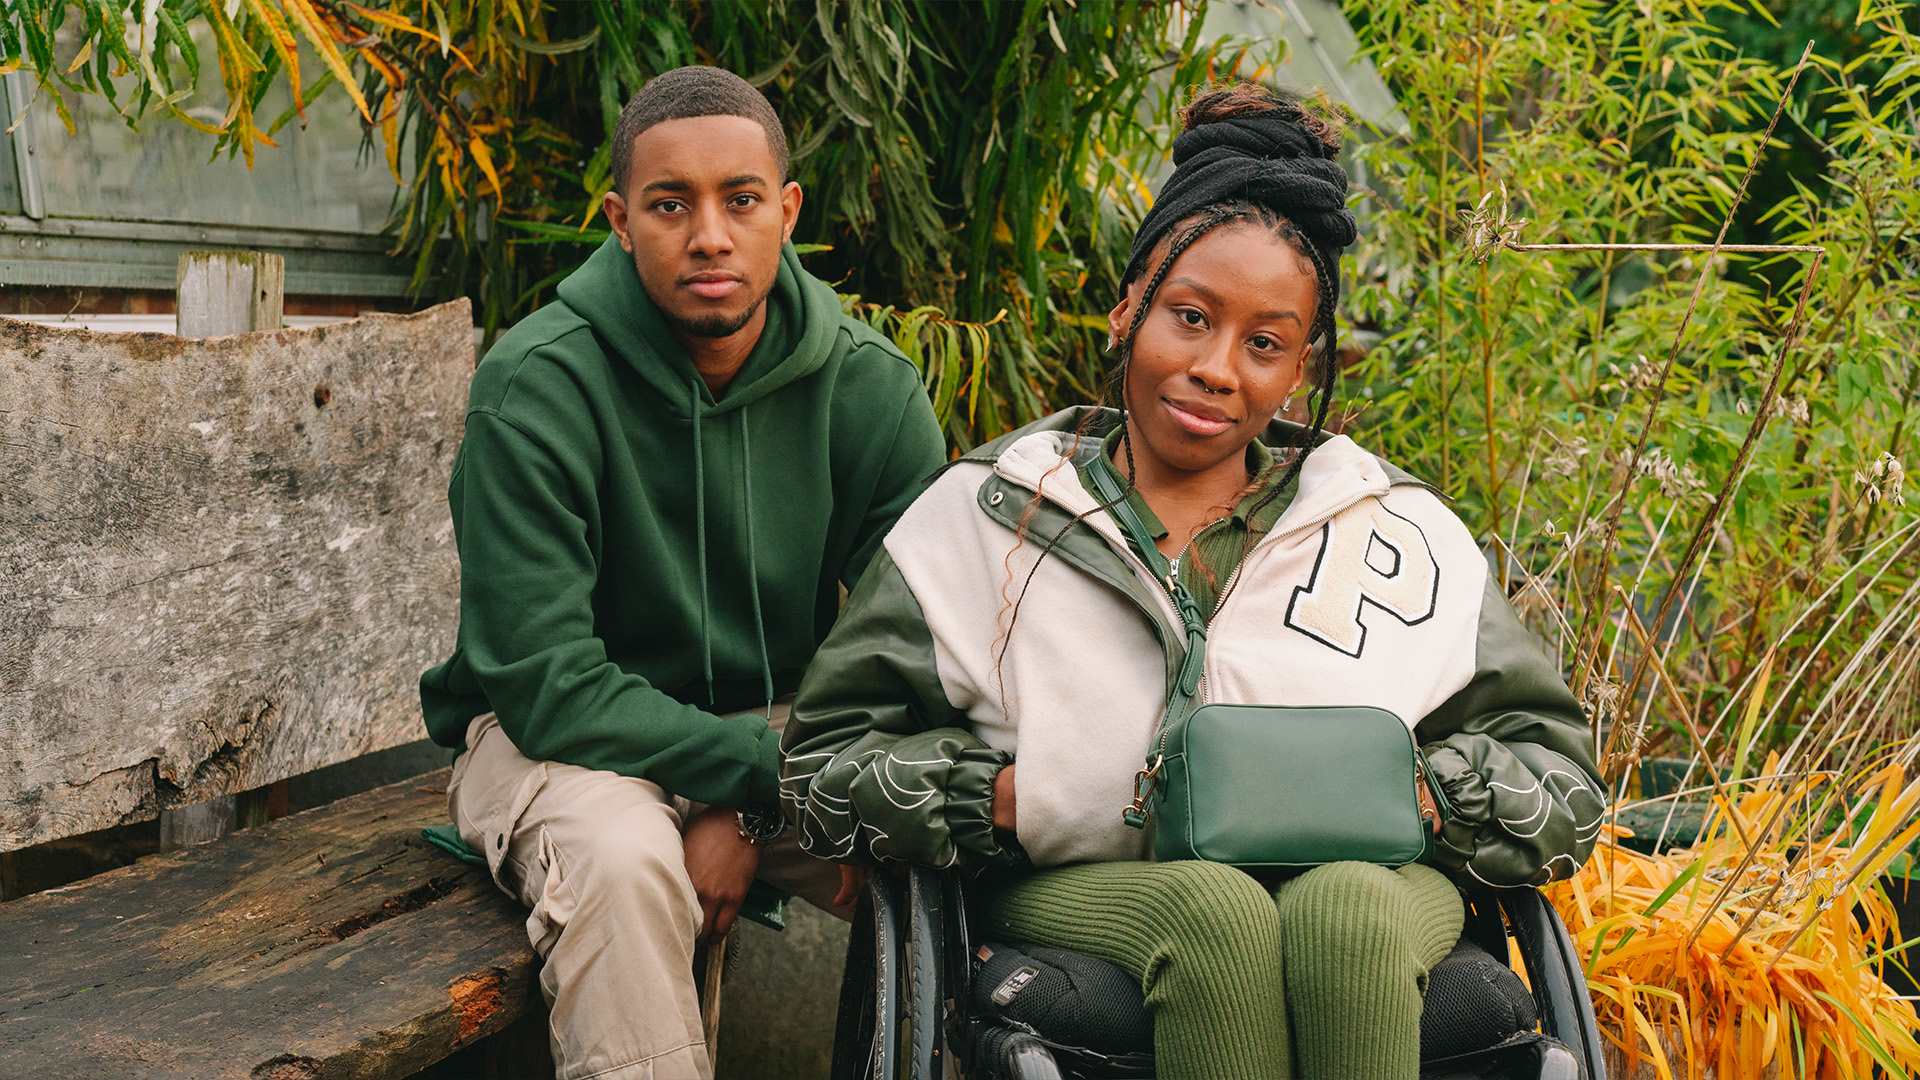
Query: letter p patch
point(1369, 555)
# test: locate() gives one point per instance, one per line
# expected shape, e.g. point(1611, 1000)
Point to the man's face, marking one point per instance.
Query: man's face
point(703, 215)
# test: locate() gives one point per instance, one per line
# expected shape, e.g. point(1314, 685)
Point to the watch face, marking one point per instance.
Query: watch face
point(761, 825)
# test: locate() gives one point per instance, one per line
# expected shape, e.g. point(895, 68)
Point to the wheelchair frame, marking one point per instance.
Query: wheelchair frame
point(904, 996)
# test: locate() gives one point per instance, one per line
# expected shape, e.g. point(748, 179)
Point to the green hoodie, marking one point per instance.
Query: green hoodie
point(638, 558)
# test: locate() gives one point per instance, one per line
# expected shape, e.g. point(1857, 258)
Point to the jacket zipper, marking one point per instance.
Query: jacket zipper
point(1171, 588)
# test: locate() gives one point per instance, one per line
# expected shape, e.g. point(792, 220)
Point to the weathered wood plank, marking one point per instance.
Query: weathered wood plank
point(225, 561)
point(331, 944)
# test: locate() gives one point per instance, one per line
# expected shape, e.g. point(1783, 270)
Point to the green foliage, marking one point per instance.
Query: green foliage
point(1522, 383)
point(981, 164)
point(980, 158)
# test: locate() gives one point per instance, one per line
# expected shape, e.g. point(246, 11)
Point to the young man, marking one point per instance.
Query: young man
point(667, 475)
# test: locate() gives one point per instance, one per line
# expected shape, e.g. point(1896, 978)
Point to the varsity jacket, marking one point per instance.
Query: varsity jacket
point(1366, 591)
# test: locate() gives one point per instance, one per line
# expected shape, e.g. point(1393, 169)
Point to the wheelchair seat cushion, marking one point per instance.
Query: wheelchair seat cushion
point(1473, 1002)
point(1067, 998)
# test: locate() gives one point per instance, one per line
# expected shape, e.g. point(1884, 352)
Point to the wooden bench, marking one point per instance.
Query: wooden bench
point(332, 943)
point(226, 562)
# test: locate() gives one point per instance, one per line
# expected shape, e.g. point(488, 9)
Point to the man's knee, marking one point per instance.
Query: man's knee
point(625, 866)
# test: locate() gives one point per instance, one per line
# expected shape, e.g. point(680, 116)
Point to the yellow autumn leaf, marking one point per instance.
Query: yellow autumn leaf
point(1751, 716)
point(484, 158)
point(284, 44)
point(390, 133)
point(322, 41)
point(395, 22)
point(1804, 951)
point(81, 57)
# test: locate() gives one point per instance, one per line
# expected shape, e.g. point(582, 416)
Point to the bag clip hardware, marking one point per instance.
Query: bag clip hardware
point(1135, 815)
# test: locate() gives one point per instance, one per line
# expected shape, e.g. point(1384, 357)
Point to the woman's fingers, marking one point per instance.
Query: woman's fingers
point(852, 880)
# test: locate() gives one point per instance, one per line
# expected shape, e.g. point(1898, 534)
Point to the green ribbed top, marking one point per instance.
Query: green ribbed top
point(1217, 549)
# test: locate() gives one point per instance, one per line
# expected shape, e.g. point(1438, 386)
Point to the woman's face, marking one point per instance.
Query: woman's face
point(1222, 347)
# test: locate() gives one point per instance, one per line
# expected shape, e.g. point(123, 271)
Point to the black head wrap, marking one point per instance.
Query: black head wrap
point(1269, 159)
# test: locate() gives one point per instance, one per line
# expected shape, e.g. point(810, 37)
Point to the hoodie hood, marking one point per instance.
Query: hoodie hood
point(803, 317)
point(802, 322)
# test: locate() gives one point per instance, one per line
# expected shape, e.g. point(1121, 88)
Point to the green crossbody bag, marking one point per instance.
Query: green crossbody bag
point(1270, 787)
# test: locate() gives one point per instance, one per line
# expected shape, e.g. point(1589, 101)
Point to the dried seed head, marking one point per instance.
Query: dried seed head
point(1644, 374)
point(1564, 460)
point(1676, 480)
point(1883, 481)
point(1487, 231)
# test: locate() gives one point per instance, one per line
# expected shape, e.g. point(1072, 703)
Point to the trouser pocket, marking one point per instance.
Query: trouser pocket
point(491, 789)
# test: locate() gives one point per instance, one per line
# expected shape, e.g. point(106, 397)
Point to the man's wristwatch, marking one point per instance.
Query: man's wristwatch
point(760, 827)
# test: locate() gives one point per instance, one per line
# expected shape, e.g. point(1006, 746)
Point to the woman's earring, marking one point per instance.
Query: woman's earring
point(1112, 343)
point(1287, 405)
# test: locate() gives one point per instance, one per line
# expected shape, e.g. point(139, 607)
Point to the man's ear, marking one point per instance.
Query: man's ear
point(615, 208)
point(790, 200)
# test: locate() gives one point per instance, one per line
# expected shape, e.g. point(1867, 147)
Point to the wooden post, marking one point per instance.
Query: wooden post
point(711, 965)
point(219, 293)
point(229, 292)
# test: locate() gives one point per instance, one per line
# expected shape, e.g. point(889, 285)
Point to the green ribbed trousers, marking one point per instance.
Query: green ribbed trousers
point(1321, 979)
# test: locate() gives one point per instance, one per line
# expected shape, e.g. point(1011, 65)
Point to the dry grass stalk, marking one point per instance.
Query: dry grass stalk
point(1784, 973)
point(1609, 539)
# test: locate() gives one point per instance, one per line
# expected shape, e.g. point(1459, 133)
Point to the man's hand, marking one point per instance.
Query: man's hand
point(721, 863)
point(1005, 816)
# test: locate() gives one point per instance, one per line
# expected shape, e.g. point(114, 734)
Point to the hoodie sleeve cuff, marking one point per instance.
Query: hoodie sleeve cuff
point(969, 812)
point(763, 784)
point(1467, 806)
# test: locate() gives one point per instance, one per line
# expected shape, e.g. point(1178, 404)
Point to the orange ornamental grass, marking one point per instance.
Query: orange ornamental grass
point(1732, 959)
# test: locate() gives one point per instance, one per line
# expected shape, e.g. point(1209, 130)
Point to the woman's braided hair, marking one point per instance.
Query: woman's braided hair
point(1246, 154)
point(1249, 155)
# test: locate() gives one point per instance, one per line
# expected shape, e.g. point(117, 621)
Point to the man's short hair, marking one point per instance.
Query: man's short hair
point(688, 92)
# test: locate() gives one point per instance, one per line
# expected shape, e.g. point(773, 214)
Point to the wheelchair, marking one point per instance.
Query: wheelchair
point(922, 1000)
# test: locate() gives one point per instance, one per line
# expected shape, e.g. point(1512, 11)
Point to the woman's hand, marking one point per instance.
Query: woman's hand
point(1004, 816)
point(852, 880)
point(1429, 809)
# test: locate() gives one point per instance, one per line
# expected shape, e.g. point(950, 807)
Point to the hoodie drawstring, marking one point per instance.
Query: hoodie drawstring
point(700, 538)
point(700, 542)
point(753, 573)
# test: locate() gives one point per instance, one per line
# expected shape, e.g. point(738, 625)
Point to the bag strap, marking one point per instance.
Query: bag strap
point(1183, 693)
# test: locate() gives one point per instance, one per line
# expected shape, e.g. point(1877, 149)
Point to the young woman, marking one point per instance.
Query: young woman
point(991, 688)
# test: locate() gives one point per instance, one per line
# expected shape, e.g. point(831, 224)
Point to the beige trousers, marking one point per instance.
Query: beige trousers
point(597, 858)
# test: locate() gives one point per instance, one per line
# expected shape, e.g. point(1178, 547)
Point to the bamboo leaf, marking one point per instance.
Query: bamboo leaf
point(282, 40)
point(319, 84)
point(81, 57)
point(552, 48)
point(317, 35)
point(484, 158)
point(1751, 717)
point(396, 22)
